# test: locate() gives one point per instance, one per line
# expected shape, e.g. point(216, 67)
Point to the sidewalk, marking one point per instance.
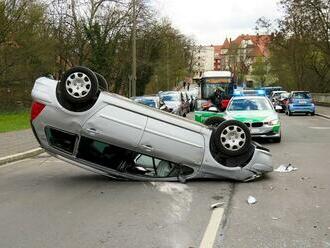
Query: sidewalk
point(323, 111)
point(17, 142)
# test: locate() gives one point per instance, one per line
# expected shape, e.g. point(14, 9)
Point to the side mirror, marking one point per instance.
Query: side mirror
point(213, 109)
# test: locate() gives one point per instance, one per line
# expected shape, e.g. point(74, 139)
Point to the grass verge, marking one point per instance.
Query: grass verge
point(14, 121)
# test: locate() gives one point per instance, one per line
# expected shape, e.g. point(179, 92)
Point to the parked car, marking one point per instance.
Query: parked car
point(175, 102)
point(151, 101)
point(276, 95)
point(300, 102)
point(110, 134)
point(277, 100)
point(281, 102)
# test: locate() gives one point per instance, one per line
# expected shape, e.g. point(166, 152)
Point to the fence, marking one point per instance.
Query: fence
point(322, 98)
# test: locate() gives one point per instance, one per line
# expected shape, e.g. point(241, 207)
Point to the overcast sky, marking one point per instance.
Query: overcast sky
point(211, 21)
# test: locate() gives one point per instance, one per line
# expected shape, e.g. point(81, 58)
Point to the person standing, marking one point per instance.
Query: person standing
point(216, 97)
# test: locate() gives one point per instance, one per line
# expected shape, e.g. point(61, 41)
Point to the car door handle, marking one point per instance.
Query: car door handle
point(147, 147)
point(92, 131)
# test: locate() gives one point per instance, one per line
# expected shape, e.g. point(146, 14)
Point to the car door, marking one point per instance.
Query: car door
point(117, 126)
point(172, 142)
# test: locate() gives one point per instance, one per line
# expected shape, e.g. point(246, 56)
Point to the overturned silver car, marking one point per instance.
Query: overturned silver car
point(77, 120)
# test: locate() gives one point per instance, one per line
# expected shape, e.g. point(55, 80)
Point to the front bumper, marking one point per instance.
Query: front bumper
point(266, 131)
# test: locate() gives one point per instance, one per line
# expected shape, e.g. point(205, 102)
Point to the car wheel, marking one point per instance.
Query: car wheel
point(277, 139)
point(103, 84)
point(232, 138)
point(214, 121)
point(313, 113)
point(78, 85)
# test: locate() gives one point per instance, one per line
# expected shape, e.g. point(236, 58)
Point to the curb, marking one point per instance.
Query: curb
point(19, 156)
point(322, 115)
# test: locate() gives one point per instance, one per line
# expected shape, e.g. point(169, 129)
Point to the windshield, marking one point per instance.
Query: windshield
point(301, 95)
point(209, 88)
point(249, 104)
point(172, 97)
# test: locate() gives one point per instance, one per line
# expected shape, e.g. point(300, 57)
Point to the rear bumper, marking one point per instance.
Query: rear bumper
point(302, 108)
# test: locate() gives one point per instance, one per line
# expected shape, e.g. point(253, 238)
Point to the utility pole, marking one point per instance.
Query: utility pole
point(133, 88)
point(167, 67)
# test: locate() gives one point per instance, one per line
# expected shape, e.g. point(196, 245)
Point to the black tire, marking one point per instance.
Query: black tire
point(237, 128)
point(86, 79)
point(277, 139)
point(313, 113)
point(214, 121)
point(103, 84)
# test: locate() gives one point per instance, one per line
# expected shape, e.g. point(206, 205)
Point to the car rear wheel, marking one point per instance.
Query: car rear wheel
point(232, 138)
point(79, 85)
point(214, 121)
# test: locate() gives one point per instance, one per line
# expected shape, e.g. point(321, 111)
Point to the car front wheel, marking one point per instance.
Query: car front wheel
point(232, 138)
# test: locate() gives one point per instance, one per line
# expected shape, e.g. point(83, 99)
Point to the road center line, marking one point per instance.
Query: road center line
point(212, 228)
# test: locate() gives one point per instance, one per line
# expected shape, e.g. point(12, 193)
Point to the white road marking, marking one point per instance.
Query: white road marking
point(320, 128)
point(212, 228)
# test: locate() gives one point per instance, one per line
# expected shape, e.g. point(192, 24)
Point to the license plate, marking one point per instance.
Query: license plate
point(302, 102)
point(255, 130)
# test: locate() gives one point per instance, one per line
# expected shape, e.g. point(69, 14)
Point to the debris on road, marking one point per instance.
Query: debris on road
point(251, 200)
point(275, 218)
point(216, 205)
point(286, 168)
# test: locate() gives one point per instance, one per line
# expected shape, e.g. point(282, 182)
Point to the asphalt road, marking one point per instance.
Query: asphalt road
point(293, 209)
point(45, 202)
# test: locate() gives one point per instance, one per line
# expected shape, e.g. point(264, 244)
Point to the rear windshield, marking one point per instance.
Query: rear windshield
point(301, 95)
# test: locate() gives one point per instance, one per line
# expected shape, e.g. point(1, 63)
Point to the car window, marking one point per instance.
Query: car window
point(171, 97)
point(127, 161)
point(147, 102)
point(249, 104)
point(160, 168)
point(60, 140)
point(301, 95)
